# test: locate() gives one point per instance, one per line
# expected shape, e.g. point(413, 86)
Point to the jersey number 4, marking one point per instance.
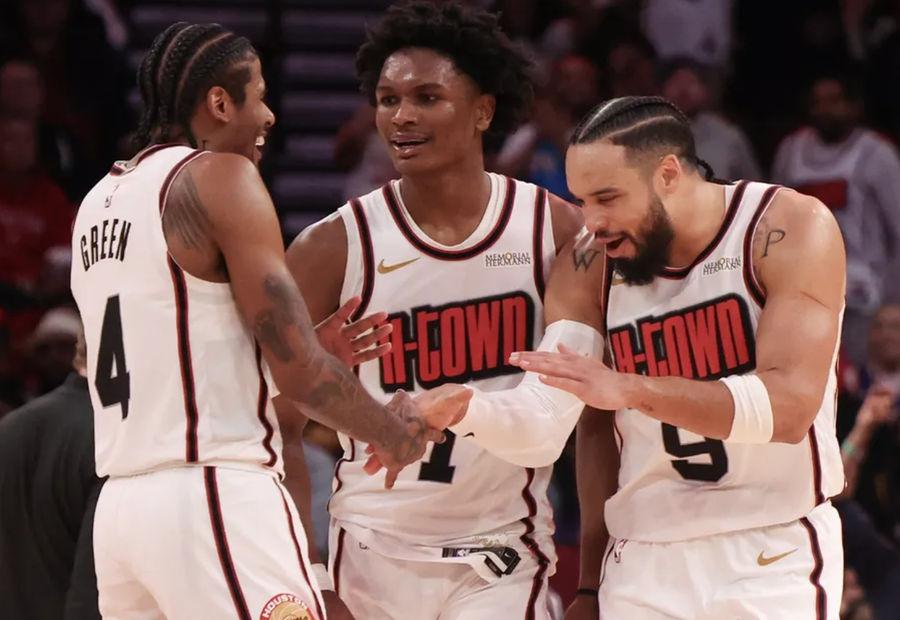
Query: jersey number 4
point(705, 472)
point(112, 389)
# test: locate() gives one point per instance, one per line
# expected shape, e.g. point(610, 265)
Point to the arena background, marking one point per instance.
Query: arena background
point(744, 71)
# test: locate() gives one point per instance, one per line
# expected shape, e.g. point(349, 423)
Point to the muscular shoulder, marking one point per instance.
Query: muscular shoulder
point(574, 290)
point(317, 258)
point(566, 218)
point(798, 242)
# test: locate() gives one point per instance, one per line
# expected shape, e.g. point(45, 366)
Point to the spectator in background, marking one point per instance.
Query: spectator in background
point(48, 491)
point(590, 28)
point(22, 97)
point(631, 68)
point(856, 173)
point(721, 143)
point(536, 152)
point(696, 29)
point(68, 43)
point(51, 349)
point(35, 219)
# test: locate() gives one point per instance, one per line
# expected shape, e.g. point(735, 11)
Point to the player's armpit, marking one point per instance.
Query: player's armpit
point(800, 265)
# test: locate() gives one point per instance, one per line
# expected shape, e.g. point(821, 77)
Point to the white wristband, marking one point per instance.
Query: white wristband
point(753, 418)
point(323, 577)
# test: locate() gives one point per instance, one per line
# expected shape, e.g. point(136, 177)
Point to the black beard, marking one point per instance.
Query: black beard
point(656, 235)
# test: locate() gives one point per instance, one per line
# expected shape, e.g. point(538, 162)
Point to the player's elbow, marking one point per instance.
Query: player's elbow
point(794, 419)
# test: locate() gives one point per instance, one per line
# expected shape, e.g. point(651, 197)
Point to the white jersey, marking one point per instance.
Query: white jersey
point(175, 376)
point(858, 180)
point(700, 322)
point(458, 312)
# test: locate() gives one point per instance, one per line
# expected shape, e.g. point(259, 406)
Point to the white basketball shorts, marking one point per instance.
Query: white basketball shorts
point(201, 542)
point(792, 571)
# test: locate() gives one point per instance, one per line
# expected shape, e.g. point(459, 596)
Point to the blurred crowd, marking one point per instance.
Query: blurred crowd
point(802, 93)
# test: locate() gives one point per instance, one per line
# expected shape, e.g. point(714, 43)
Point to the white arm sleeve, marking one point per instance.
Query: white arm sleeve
point(528, 425)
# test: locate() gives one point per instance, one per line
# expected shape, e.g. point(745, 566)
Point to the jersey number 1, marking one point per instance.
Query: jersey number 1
point(705, 472)
point(438, 468)
point(112, 390)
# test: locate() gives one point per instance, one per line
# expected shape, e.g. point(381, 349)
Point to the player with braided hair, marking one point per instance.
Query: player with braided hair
point(722, 306)
point(193, 324)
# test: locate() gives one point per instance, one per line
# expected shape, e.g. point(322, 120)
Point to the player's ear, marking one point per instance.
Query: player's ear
point(219, 103)
point(668, 174)
point(484, 111)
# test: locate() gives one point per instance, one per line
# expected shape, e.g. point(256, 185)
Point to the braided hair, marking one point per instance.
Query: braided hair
point(182, 64)
point(642, 125)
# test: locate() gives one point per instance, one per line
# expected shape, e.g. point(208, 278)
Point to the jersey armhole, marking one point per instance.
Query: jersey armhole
point(754, 288)
point(359, 271)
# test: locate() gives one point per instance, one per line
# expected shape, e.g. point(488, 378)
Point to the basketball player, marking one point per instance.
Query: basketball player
point(723, 312)
point(458, 258)
point(187, 303)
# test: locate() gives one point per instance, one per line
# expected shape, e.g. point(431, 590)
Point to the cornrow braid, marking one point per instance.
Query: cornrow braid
point(642, 124)
point(147, 74)
point(183, 62)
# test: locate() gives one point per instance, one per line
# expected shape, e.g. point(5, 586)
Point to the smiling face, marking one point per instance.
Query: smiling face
point(621, 209)
point(248, 122)
point(429, 114)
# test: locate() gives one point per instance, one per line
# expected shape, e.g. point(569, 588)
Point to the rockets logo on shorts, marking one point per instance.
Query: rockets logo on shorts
point(706, 341)
point(286, 607)
point(459, 341)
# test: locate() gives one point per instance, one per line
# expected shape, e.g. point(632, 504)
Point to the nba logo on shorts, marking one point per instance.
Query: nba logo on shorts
point(286, 607)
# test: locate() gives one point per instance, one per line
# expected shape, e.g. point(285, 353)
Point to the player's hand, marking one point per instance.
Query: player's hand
point(357, 342)
point(592, 381)
point(427, 416)
point(583, 608)
point(335, 609)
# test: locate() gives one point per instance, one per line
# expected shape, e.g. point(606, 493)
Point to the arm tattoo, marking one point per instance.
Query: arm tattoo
point(184, 215)
point(772, 237)
point(328, 390)
point(584, 259)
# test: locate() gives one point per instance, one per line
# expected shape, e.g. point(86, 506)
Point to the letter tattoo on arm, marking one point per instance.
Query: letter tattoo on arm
point(772, 237)
point(584, 259)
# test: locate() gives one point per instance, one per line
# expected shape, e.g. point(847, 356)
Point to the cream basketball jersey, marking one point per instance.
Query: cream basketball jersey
point(457, 312)
point(700, 322)
point(175, 376)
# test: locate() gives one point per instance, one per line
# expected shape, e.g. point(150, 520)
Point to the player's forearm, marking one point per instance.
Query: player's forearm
point(707, 407)
point(332, 395)
point(597, 466)
point(702, 407)
point(525, 425)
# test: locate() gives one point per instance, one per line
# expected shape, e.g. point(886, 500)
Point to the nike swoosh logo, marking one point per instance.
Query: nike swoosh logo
point(469, 435)
point(764, 561)
point(382, 268)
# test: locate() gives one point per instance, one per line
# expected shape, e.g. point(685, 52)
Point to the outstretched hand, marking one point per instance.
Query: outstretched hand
point(357, 342)
point(592, 381)
point(437, 409)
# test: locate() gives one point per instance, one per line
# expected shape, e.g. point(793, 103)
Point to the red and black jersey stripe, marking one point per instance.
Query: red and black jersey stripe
point(185, 363)
point(117, 170)
point(290, 520)
point(680, 273)
point(218, 527)
point(540, 202)
point(542, 560)
point(262, 404)
point(750, 281)
point(816, 574)
point(441, 254)
point(368, 253)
